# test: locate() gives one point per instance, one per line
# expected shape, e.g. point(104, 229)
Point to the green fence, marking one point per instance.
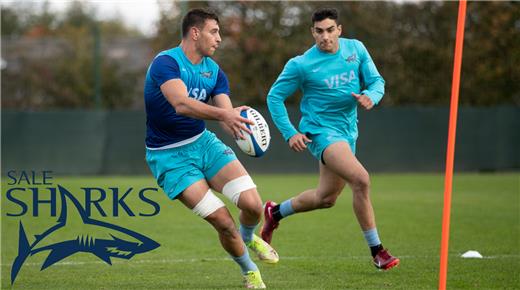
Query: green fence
point(402, 139)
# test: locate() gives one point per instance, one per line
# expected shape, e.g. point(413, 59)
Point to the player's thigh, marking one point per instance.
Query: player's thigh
point(340, 159)
point(330, 184)
point(233, 180)
point(217, 158)
point(194, 193)
point(230, 171)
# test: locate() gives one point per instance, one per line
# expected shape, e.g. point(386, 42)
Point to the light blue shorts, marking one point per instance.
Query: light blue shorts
point(322, 140)
point(177, 168)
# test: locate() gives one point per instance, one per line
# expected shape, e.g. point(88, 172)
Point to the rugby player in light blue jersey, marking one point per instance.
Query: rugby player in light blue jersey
point(335, 76)
point(187, 160)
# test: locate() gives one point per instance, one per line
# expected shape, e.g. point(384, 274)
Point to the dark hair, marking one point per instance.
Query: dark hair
point(196, 17)
point(324, 13)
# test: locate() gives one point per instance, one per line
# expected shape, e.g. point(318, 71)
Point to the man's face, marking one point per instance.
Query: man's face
point(208, 38)
point(326, 34)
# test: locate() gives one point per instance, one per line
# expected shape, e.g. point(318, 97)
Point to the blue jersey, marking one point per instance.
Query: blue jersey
point(326, 81)
point(164, 127)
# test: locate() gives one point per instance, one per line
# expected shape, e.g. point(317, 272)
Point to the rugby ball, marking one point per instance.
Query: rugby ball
point(255, 144)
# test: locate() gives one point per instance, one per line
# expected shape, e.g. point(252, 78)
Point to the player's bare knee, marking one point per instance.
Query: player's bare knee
point(257, 210)
point(361, 183)
point(250, 203)
point(253, 210)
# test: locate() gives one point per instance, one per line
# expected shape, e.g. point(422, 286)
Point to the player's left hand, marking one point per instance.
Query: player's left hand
point(364, 101)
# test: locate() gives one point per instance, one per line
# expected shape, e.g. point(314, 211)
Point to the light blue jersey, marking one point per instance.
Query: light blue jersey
point(326, 81)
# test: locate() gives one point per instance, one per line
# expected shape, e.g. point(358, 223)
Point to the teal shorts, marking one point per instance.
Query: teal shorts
point(175, 169)
point(322, 140)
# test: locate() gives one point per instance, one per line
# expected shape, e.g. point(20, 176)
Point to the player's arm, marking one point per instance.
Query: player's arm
point(373, 81)
point(176, 93)
point(165, 71)
point(220, 98)
point(286, 84)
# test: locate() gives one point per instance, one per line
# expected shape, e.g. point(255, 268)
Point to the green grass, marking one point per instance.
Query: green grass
point(319, 250)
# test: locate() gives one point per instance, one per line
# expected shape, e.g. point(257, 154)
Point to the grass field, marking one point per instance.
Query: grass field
point(318, 250)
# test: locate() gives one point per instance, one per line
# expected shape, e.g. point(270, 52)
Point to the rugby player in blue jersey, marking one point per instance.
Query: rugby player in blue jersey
point(187, 160)
point(335, 76)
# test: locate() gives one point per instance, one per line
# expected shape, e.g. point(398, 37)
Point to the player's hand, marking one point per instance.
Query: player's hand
point(299, 142)
point(364, 101)
point(236, 123)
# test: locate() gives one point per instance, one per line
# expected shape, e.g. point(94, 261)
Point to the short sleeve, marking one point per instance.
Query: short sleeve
point(222, 85)
point(163, 69)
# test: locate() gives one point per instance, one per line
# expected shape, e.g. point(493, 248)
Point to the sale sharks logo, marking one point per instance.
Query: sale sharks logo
point(115, 242)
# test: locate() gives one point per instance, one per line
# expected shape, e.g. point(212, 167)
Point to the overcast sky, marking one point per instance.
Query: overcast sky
point(139, 14)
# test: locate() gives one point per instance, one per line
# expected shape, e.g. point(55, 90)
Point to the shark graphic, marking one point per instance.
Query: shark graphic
point(103, 248)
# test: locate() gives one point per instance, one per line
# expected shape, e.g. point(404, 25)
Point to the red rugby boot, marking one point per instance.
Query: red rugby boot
point(384, 260)
point(270, 224)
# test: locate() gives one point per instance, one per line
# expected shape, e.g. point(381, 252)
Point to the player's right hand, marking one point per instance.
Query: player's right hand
point(299, 142)
point(236, 123)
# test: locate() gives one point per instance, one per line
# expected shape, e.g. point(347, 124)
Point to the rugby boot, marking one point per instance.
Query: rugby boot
point(384, 260)
point(270, 224)
point(263, 250)
point(253, 280)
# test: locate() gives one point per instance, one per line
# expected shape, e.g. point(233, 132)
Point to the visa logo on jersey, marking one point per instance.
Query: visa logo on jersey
point(340, 79)
point(197, 94)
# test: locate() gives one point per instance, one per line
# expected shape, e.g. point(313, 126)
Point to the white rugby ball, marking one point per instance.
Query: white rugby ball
point(255, 144)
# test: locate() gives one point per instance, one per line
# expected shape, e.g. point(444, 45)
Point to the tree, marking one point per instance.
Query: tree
point(491, 62)
point(412, 44)
point(62, 74)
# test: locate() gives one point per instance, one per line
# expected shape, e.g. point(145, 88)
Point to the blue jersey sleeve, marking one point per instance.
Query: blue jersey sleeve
point(222, 85)
point(163, 69)
point(287, 83)
point(373, 82)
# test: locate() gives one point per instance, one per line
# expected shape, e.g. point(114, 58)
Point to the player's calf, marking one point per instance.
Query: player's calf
point(327, 201)
point(360, 183)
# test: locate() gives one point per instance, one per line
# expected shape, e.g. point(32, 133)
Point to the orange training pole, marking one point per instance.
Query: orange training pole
point(451, 145)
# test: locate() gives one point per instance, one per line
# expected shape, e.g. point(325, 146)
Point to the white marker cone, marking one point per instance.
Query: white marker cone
point(472, 254)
